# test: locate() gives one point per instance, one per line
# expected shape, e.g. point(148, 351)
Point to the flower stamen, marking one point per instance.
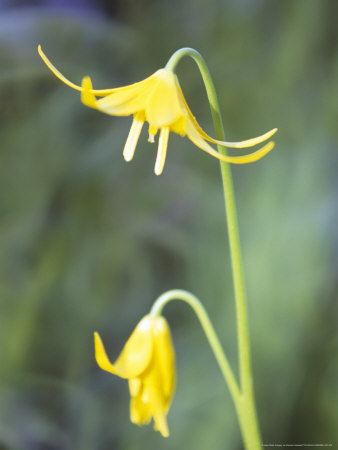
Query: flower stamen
point(162, 150)
point(133, 137)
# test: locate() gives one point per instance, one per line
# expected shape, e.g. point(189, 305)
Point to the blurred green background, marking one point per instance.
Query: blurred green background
point(87, 242)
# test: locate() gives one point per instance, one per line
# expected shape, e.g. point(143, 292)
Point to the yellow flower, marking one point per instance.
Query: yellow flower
point(159, 100)
point(148, 362)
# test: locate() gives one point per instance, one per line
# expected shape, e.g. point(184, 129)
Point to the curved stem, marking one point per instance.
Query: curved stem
point(248, 417)
point(196, 305)
point(211, 92)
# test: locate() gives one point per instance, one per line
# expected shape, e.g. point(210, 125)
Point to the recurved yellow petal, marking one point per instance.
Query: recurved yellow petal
point(135, 355)
point(127, 100)
point(197, 139)
point(99, 92)
point(255, 156)
point(101, 355)
point(137, 351)
point(56, 72)
point(241, 144)
point(248, 142)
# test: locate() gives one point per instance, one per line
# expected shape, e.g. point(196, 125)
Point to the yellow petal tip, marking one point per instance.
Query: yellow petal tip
point(56, 72)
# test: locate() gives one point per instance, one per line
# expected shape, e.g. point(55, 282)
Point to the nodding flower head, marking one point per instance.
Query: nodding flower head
point(148, 362)
point(158, 100)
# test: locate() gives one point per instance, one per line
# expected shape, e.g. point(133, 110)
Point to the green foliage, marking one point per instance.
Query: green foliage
point(88, 242)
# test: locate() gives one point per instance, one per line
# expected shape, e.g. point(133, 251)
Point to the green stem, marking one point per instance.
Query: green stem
point(196, 305)
point(247, 416)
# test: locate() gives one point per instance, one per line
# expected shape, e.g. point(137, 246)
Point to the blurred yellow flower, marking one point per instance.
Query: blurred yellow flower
point(159, 100)
point(148, 362)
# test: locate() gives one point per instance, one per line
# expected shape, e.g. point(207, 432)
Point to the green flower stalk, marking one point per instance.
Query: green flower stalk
point(245, 403)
